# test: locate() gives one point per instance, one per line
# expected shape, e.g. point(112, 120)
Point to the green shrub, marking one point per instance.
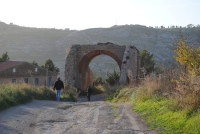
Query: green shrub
point(99, 81)
point(113, 78)
point(14, 94)
point(119, 94)
point(69, 95)
point(98, 89)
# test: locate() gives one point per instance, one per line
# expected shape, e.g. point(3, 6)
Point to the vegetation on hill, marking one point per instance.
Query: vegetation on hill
point(147, 62)
point(28, 44)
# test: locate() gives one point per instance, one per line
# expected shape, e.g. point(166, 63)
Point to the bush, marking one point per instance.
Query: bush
point(99, 81)
point(14, 94)
point(113, 78)
point(187, 85)
point(98, 89)
point(119, 94)
point(68, 95)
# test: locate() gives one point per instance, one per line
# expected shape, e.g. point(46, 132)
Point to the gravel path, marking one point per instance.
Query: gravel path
point(51, 117)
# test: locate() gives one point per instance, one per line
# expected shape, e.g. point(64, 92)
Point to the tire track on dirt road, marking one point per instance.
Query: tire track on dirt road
point(82, 117)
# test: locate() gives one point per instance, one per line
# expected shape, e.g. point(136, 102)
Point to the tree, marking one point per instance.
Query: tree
point(162, 27)
point(187, 56)
point(99, 81)
point(172, 26)
point(187, 83)
point(112, 78)
point(35, 63)
point(50, 66)
point(190, 25)
point(4, 57)
point(146, 61)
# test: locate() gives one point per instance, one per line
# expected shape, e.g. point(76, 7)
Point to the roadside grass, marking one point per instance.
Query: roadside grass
point(114, 107)
point(161, 113)
point(68, 95)
point(98, 89)
point(15, 94)
point(119, 94)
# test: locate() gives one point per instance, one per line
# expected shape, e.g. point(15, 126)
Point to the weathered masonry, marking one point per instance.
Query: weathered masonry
point(78, 58)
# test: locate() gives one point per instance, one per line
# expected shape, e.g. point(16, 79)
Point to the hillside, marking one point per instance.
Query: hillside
point(40, 44)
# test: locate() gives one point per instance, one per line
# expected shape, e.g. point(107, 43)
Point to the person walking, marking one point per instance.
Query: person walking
point(89, 91)
point(59, 85)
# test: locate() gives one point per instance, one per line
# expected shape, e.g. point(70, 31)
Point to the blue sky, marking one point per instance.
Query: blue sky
point(83, 14)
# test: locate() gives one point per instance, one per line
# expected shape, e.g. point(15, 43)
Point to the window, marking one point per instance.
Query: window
point(36, 81)
point(13, 80)
point(25, 80)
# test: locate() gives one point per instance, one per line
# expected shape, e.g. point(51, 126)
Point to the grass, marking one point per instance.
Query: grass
point(15, 94)
point(119, 94)
point(115, 108)
point(99, 89)
point(68, 95)
point(160, 113)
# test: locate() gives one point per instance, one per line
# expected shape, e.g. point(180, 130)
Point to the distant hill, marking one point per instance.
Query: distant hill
point(40, 44)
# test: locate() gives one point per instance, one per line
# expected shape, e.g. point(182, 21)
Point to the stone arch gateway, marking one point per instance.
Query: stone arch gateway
point(78, 58)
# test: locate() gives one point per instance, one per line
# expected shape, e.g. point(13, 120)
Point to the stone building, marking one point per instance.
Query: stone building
point(24, 72)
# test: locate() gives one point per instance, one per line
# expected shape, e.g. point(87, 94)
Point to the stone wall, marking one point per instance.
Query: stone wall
point(131, 65)
point(79, 56)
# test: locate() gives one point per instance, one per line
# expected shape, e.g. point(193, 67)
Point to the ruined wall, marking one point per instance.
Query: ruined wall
point(130, 65)
point(79, 56)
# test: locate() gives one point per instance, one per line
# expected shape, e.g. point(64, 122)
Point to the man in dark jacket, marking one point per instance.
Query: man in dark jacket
point(58, 86)
point(89, 91)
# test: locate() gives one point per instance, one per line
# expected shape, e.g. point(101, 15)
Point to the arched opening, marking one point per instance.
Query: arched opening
point(101, 65)
point(85, 74)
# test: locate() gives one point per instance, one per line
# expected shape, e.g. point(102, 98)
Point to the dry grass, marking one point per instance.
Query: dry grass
point(175, 84)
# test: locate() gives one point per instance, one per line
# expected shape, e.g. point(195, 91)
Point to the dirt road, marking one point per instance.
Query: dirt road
point(51, 117)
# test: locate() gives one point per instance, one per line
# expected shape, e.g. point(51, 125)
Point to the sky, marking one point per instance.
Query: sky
point(84, 14)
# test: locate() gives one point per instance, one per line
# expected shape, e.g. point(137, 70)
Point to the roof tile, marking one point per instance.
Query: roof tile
point(9, 64)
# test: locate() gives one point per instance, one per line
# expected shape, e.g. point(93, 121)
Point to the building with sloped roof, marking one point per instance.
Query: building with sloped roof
point(24, 72)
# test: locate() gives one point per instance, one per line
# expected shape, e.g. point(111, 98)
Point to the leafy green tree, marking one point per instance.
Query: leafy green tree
point(50, 66)
point(112, 78)
point(4, 57)
point(147, 62)
point(35, 63)
point(99, 81)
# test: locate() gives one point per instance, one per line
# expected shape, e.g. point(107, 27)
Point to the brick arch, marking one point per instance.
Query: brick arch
point(92, 54)
point(78, 57)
